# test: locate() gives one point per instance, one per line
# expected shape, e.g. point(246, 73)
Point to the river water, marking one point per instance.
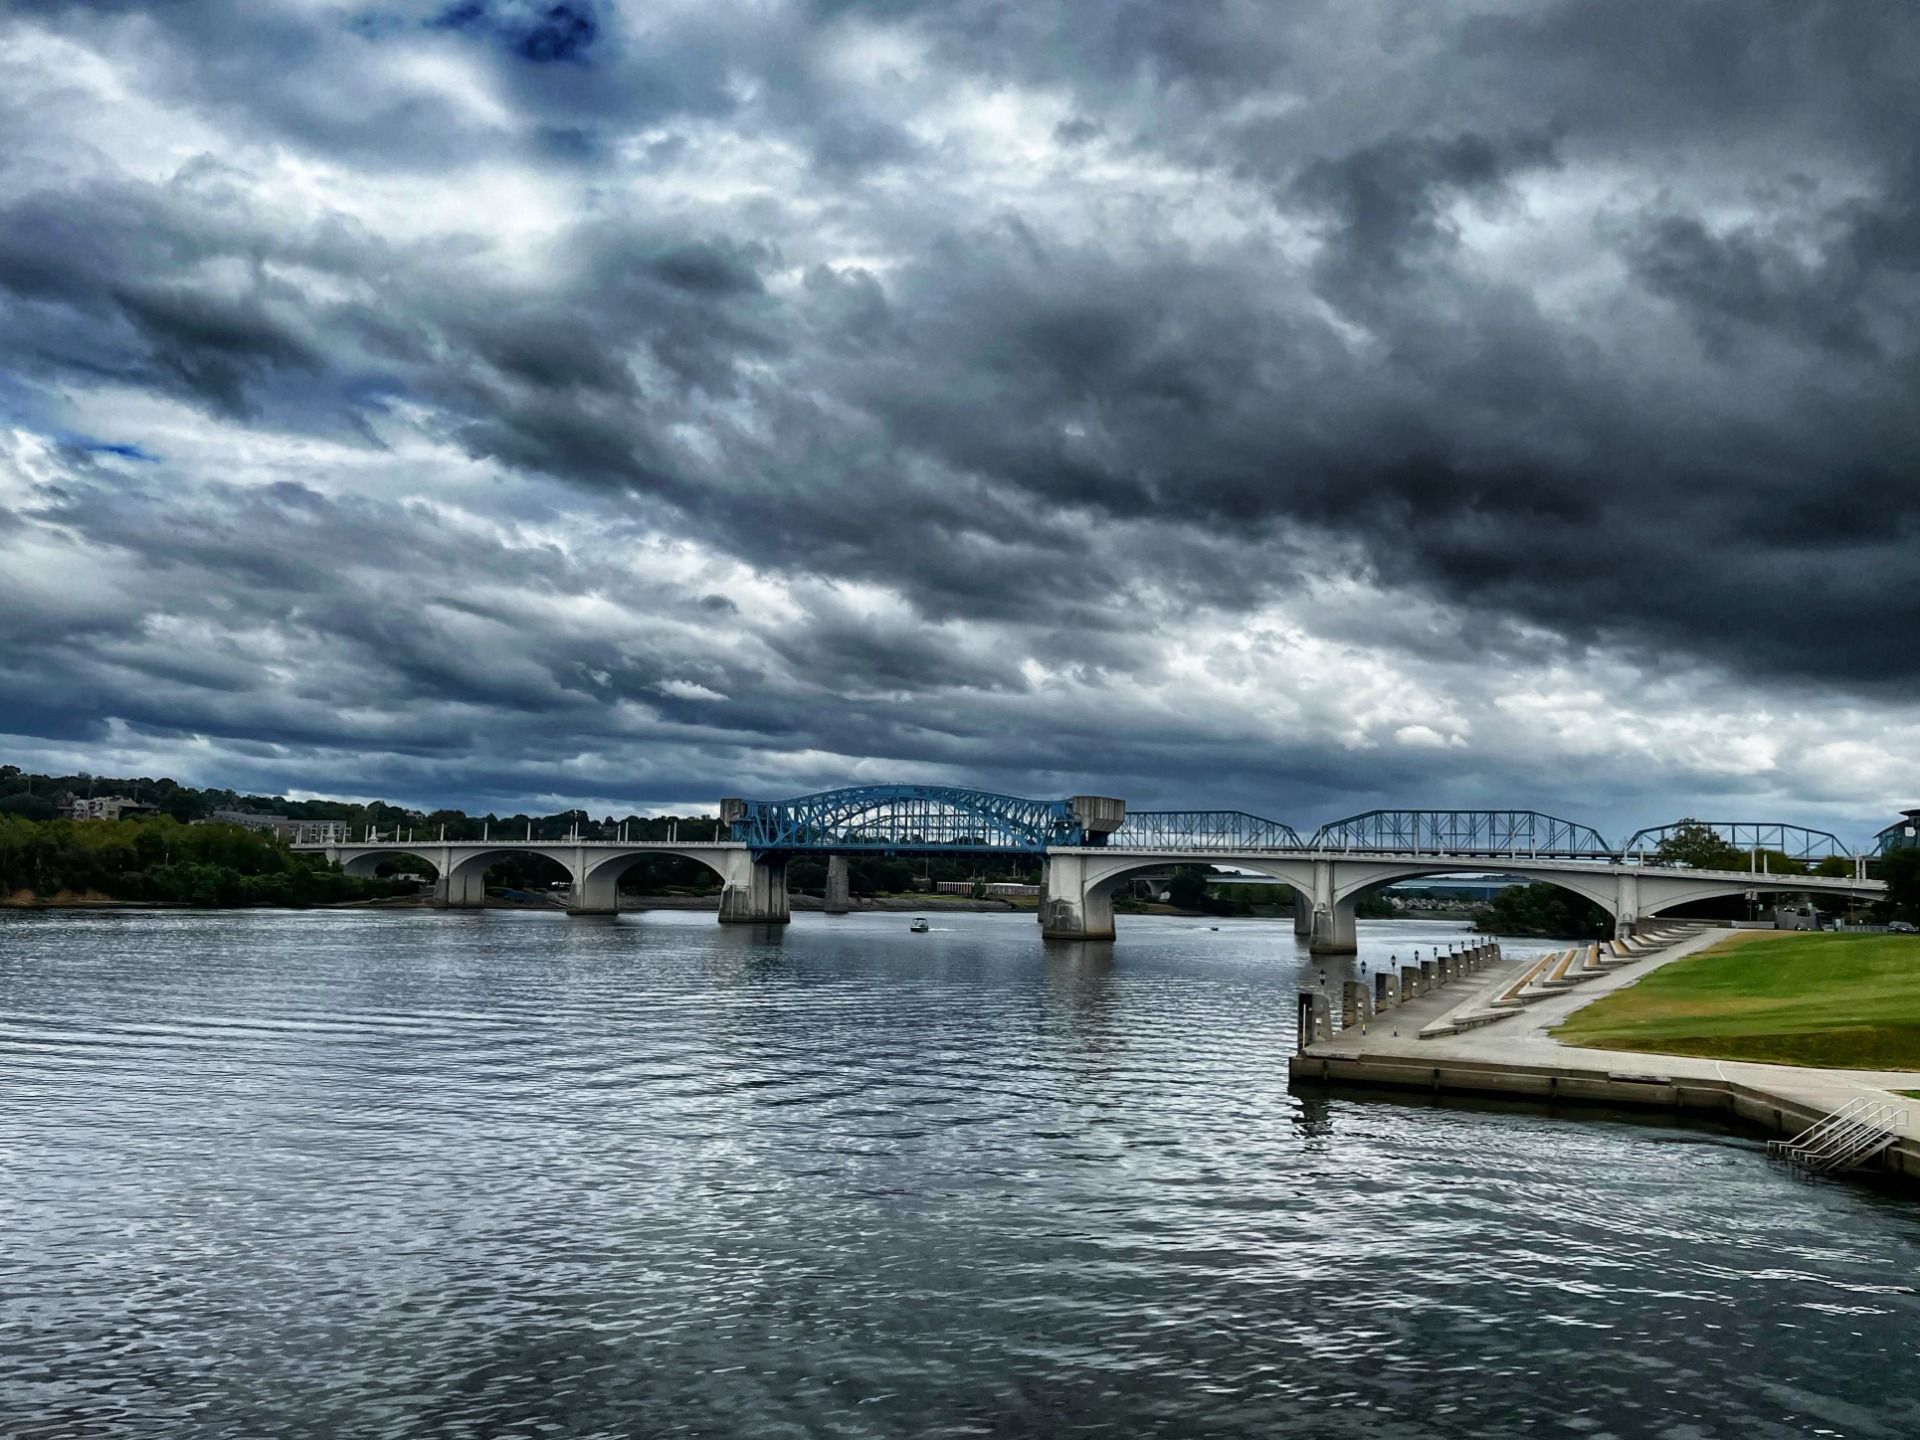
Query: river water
point(500, 1174)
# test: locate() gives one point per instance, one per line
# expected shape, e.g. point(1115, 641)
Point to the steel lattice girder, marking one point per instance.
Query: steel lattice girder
point(1203, 830)
point(1796, 842)
point(1508, 833)
point(907, 817)
point(937, 817)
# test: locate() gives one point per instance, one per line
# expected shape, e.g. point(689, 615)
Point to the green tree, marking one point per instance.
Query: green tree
point(1901, 870)
point(1187, 888)
point(1697, 844)
point(1547, 910)
point(1775, 862)
point(1374, 905)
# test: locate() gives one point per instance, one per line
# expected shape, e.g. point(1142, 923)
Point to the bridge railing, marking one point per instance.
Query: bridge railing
point(1203, 830)
point(1796, 842)
point(1493, 834)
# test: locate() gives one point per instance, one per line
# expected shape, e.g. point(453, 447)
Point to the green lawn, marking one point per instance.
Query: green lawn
point(1846, 1001)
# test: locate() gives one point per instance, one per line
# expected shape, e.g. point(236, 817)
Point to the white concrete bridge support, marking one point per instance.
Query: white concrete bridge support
point(592, 889)
point(1332, 931)
point(461, 888)
point(839, 888)
point(754, 892)
point(1626, 906)
point(1071, 908)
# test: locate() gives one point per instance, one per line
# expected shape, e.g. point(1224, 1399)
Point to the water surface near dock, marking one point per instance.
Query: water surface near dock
point(418, 1173)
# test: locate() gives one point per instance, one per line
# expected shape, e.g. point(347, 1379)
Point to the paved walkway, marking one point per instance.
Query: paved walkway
point(1522, 1039)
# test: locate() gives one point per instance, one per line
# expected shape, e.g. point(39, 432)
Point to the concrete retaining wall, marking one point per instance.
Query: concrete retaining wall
point(1650, 1089)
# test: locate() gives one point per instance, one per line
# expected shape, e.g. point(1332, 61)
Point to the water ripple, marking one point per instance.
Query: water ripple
point(404, 1174)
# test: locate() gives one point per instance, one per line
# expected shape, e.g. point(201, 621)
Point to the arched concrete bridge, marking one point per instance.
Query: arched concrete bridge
point(1089, 845)
point(750, 890)
point(1081, 884)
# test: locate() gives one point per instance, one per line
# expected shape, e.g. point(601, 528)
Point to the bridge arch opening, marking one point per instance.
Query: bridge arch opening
point(1769, 888)
point(510, 867)
point(598, 891)
point(381, 863)
point(1334, 932)
point(1109, 885)
point(1079, 888)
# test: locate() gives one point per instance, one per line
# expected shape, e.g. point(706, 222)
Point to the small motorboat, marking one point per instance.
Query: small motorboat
point(919, 927)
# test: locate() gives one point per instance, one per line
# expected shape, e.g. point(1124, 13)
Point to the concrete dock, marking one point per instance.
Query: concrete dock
point(1513, 1055)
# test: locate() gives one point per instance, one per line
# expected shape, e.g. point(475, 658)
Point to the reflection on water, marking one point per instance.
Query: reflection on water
point(398, 1174)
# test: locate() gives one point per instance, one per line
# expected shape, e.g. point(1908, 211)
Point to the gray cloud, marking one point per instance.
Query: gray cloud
point(1013, 347)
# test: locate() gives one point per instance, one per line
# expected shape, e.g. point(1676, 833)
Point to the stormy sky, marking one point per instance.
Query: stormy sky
point(1291, 407)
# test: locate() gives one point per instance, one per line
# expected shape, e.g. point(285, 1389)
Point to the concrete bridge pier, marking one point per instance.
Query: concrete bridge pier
point(1626, 906)
point(1332, 931)
point(839, 888)
point(462, 889)
point(754, 892)
point(593, 891)
point(1070, 909)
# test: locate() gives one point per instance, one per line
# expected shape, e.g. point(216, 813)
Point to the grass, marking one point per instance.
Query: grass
point(1849, 1002)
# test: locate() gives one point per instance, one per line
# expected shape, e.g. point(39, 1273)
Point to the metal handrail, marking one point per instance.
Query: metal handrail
point(1850, 1136)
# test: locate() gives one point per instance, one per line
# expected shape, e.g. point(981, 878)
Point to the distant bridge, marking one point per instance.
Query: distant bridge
point(1089, 845)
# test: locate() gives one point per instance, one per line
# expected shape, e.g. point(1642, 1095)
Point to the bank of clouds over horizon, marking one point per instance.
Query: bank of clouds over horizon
point(520, 405)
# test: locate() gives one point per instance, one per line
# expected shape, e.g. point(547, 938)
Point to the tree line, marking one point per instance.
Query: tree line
point(156, 858)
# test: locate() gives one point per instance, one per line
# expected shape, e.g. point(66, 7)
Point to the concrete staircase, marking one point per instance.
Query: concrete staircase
point(1554, 973)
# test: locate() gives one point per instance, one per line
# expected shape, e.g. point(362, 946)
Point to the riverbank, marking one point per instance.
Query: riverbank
point(1779, 997)
point(880, 904)
point(1520, 1055)
point(894, 904)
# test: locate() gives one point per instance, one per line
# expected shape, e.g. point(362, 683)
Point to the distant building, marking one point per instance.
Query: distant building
point(1795, 917)
point(1903, 834)
point(98, 807)
point(249, 820)
point(999, 889)
point(319, 832)
point(297, 832)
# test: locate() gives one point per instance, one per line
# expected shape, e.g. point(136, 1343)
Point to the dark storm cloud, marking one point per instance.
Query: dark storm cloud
point(1593, 328)
point(539, 32)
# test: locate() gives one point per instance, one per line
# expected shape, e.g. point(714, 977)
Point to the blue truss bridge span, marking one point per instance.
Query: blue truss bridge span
point(904, 818)
point(937, 818)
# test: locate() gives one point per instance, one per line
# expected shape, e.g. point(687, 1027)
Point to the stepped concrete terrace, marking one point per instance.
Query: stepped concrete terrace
point(1516, 1056)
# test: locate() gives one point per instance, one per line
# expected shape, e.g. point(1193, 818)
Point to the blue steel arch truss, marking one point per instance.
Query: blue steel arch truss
point(1502, 834)
point(1203, 830)
point(1796, 842)
point(907, 818)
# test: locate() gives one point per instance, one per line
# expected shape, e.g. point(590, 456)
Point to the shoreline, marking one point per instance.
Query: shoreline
point(629, 904)
point(1516, 1057)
